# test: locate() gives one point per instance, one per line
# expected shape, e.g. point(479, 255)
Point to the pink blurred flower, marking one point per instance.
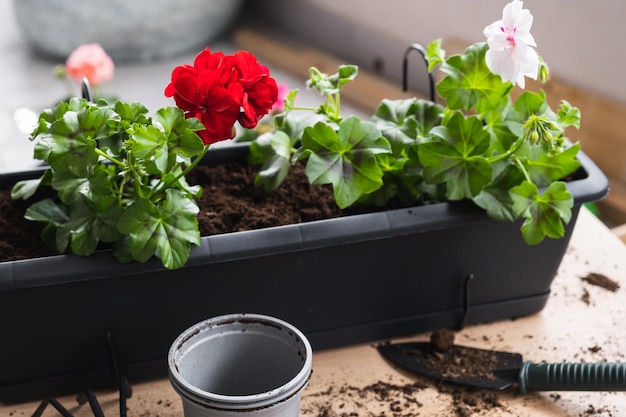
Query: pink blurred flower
point(92, 62)
point(511, 54)
point(283, 92)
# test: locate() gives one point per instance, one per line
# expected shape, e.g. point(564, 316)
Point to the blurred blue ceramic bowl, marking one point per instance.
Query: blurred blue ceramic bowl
point(129, 30)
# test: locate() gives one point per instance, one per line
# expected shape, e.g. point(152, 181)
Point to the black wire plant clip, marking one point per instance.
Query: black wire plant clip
point(85, 89)
point(467, 303)
point(431, 81)
point(88, 396)
point(405, 69)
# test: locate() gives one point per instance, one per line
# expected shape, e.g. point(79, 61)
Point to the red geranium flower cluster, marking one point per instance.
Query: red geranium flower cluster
point(222, 89)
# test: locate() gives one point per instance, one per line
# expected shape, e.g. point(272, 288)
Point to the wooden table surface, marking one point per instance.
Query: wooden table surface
point(581, 322)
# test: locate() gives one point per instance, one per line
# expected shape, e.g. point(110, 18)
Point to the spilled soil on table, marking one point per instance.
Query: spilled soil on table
point(599, 280)
point(602, 281)
point(391, 399)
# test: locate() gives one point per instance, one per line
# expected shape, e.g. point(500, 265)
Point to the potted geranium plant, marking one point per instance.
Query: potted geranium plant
point(119, 176)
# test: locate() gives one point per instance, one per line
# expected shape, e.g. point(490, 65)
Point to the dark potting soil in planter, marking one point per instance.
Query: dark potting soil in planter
point(230, 203)
point(19, 238)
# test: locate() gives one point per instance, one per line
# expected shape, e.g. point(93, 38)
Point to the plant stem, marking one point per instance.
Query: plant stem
point(307, 108)
point(508, 153)
point(334, 102)
point(109, 157)
point(521, 166)
point(331, 101)
point(159, 187)
point(193, 163)
point(136, 177)
point(120, 195)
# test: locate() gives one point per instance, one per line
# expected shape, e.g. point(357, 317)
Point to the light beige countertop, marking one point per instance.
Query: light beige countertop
point(580, 322)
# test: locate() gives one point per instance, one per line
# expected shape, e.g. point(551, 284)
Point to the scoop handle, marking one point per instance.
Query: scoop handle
point(600, 376)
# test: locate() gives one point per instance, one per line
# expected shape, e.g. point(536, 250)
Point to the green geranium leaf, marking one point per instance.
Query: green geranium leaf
point(91, 223)
point(166, 229)
point(290, 100)
point(428, 115)
point(294, 124)
point(141, 222)
point(48, 116)
point(435, 55)
point(331, 84)
point(67, 147)
point(131, 112)
point(531, 103)
point(399, 181)
point(345, 159)
point(149, 141)
point(454, 155)
point(395, 120)
point(544, 214)
point(47, 210)
point(502, 139)
point(121, 250)
point(70, 186)
point(469, 83)
point(98, 122)
point(568, 115)
point(527, 104)
point(25, 189)
point(55, 215)
point(402, 122)
point(169, 135)
point(273, 151)
point(180, 131)
point(41, 148)
point(551, 167)
point(495, 199)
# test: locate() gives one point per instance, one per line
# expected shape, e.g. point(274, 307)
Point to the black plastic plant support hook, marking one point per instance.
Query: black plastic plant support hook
point(85, 89)
point(88, 396)
point(405, 69)
point(125, 389)
point(54, 403)
point(466, 301)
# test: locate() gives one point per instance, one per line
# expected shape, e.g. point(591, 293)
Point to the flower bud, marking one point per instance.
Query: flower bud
point(544, 72)
point(553, 126)
point(59, 71)
point(547, 137)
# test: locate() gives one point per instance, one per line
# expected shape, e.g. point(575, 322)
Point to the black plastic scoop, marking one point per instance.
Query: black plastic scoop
point(500, 370)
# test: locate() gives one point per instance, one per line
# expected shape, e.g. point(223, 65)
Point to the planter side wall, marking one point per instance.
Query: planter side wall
point(397, 288)
point(338, 291)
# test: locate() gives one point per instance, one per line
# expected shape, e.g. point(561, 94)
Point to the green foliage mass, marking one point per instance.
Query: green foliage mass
point(120, 179)
point(508, 157)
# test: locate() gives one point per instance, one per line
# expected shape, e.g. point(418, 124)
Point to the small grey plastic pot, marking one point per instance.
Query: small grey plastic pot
point(240, 363)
